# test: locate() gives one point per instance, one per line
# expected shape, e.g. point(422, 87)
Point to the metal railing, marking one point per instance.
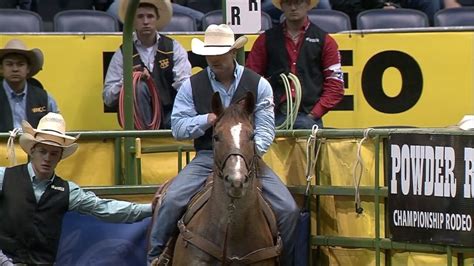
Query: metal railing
point(380, 244)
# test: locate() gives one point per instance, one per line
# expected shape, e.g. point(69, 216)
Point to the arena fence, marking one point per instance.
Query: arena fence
point(373, 238)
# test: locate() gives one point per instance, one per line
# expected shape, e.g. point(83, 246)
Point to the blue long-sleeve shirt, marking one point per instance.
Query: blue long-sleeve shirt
point(114, 78)
point(17, 103)
point(186, 123)
point(88, 203)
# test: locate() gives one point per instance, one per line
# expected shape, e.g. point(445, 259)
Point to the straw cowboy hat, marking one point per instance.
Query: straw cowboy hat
point(164, 7)
point(218, 40)
point(34, 56)
point(277, 3)
point(51, 130)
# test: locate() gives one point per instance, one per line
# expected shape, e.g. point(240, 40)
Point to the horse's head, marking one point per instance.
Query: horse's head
point(233, 144)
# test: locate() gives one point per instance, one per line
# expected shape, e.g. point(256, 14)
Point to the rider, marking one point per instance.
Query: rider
point(192, 119)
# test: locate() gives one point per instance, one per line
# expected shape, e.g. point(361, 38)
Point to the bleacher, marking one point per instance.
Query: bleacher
point(79, 20)
point(90, 16)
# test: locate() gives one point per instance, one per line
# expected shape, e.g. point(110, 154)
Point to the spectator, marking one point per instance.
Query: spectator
point(456, 3)
point(20, 4)
point(275, 13)
point(20, 97)
point(429, 7)
point(178, 7)
point(160, 58)
point(34, 199)
point(192, 119)
point(309, 53)
point(354, 7)
point(196, 14)
point(202, 6)
point(101, 5)
point(47, 9)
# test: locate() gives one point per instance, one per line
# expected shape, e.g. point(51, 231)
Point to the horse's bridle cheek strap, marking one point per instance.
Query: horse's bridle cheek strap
point(250, 167)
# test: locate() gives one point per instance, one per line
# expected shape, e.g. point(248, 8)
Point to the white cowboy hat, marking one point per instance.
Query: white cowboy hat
point(277, 3)
point(34, 56)
point(218, 40)
point(164, 7)
point(51, 130)
point(467, 122)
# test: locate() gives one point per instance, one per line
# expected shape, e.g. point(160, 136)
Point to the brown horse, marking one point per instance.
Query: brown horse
point(231, 224)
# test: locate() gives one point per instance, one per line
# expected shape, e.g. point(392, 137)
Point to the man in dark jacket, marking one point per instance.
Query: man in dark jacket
point(20, 98)
point(34, 199)
point(354, 7)
point(158, 57)
point(298, 48)
point(21, 4)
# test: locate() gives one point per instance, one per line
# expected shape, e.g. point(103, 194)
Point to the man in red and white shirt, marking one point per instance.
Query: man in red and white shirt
point(300, 47)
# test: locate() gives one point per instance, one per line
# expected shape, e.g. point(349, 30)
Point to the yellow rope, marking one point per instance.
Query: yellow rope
point(357, 175)
point(292, 104)
point(312, 154)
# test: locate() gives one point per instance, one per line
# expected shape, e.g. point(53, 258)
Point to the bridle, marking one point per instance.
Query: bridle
point(251, 167)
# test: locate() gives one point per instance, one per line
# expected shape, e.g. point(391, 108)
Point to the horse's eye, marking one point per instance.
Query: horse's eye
point(215, 137)
point(252, 136)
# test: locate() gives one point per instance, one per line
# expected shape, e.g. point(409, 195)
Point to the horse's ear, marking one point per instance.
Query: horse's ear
point(216, 104)
point(248, 102)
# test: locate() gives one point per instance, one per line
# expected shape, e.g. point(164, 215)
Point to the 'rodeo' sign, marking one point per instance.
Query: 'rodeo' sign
point(431, 188)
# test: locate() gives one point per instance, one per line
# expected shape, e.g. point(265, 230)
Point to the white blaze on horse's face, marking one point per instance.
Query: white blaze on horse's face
point(235, 174)
point(235, 132)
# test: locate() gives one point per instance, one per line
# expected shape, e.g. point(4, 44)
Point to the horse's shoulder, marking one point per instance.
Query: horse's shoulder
point(198, 201)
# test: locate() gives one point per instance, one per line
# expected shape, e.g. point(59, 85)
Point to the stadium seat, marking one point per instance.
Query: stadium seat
point(330, 20)
point(266, 21)
point(16, 20)
point(461, 16)
point(215, 17)
point(47, 9)
point(85, 21)
point(181, 22)
point(391, 18)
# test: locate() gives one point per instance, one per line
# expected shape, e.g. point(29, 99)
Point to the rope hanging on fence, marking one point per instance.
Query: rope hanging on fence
point(312, 153)
point(155, 104)
point(358, 175)
point(292, 104)
point(11, 146)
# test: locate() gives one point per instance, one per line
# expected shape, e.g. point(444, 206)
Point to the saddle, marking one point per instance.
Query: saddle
point(196, 203)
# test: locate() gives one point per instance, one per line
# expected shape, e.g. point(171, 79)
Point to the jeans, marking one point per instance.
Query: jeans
point(302, 121)
point(429, 7)
point(145, 110)
point(193, 177)
point(197, 15)
point(4, 260)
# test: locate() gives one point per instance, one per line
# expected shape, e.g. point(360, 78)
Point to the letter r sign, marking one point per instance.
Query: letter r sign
point(244, 16)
